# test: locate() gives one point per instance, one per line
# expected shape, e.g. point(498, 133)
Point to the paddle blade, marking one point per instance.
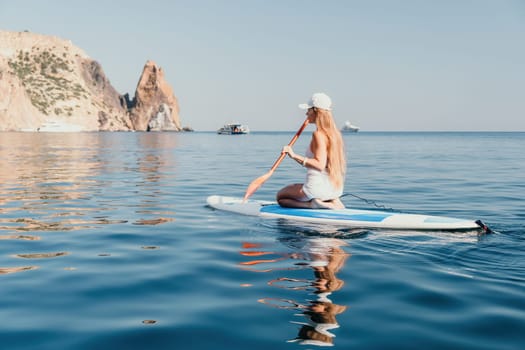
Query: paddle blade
point(254, 186)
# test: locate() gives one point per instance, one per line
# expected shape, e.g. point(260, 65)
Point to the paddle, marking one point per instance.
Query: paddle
point(254, 186)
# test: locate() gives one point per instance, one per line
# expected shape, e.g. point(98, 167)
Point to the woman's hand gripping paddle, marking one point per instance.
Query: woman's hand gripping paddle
point(254, 186)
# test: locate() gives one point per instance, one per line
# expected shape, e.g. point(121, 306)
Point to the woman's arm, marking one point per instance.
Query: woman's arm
point(320, 155)
point(289, 150)
point(318, 145)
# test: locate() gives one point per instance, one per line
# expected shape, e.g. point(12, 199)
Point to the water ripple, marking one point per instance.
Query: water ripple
point(6, 270)
point(130, 257)
point(41, 255)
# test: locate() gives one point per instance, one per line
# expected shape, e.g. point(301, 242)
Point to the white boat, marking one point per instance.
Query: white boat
point(348, 127)
point(233, 129)
point(58, 126)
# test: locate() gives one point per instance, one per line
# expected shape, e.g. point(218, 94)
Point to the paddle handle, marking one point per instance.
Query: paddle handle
point(292, 141)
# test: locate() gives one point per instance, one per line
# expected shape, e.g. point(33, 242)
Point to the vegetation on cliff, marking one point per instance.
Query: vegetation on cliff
point(49, 84)
point(40, 74)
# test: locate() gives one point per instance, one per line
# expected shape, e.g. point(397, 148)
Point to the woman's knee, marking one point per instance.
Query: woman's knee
point(294, 191)
point(281, 194)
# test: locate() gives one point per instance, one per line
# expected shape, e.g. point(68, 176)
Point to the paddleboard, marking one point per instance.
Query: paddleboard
point(351, 218)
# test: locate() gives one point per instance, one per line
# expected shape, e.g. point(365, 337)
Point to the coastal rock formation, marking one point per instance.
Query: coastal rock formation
point(100, 86)
point(162, 120)
point(154, 107)
point(48, 84)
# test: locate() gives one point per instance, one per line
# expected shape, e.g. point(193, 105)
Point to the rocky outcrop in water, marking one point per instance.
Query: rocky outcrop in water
point(49, 84)
point(154, 107)
point(163, 120)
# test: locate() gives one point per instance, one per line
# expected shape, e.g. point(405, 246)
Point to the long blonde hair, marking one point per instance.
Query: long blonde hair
point(336, 163)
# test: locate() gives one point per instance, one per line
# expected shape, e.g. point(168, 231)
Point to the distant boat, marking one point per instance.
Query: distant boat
point(233, 129)
point(57, 126)
point(348, 127)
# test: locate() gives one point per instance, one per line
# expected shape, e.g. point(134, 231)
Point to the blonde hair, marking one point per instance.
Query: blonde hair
point(336, 163)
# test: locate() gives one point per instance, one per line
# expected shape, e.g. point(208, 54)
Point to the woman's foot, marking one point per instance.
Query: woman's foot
point(338, 204)
point(319, 204)
point(331, 204)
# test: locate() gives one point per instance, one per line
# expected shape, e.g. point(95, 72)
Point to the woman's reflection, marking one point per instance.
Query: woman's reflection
point(325, 258)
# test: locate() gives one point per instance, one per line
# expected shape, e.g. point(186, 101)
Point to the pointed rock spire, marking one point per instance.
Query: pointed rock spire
point(155, 106)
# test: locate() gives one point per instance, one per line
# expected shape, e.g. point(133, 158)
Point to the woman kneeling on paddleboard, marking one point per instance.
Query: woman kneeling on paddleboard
point(324, 161)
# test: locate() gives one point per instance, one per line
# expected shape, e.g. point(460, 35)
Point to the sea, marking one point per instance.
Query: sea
point(106, 242)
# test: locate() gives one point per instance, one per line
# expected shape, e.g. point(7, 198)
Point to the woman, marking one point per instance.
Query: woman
point(324, 160)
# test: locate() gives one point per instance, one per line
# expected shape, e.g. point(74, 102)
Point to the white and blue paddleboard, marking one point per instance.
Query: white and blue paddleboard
point(351, 218)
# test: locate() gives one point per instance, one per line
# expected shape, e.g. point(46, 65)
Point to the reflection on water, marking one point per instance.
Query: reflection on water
point(152, 222)
point(323, 258)
point(41, 255)
point(19, 237)
point(150, 247)
point(73, 182)
point(7, 270)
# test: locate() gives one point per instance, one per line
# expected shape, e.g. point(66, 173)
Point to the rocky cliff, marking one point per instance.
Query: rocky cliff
point(48, 84)
point(155, 107)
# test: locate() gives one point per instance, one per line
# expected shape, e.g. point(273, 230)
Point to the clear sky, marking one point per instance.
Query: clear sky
point(389, 65)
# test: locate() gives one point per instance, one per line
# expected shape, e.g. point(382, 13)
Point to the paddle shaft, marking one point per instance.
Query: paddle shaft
point(296, 136)
point(262, 179)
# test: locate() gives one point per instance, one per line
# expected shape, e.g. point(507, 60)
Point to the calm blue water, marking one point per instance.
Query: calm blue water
point(106, 243)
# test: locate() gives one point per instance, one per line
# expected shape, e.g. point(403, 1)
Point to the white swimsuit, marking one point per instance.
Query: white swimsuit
point(318, 184)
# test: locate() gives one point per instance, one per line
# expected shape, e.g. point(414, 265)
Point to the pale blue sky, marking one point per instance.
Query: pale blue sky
point(411, 65)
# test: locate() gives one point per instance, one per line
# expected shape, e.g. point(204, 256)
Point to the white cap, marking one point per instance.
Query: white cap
point(318, 100)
